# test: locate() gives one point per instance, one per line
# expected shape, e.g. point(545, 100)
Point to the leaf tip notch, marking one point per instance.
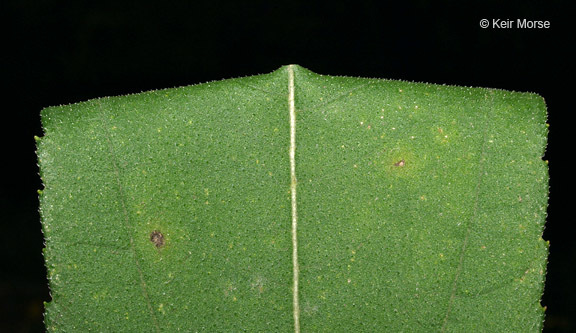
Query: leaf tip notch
point(297, 69)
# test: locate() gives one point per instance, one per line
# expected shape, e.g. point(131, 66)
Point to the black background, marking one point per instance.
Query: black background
point(60, 52)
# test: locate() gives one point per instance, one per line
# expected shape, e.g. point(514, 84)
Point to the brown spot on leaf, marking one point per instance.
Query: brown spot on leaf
point(157, 238)
point(400, 163)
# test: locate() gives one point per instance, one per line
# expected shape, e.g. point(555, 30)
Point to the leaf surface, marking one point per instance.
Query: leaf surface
point(412, 207)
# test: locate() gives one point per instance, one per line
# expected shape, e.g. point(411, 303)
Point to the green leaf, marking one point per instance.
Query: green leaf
point(295, 201)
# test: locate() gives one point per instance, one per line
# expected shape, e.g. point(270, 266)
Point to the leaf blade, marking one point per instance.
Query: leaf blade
point(208, 166)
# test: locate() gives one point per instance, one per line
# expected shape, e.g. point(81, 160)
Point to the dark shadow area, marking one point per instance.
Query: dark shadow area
point(60, 52)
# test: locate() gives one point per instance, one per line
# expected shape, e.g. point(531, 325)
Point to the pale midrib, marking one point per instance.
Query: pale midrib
point(295, 267)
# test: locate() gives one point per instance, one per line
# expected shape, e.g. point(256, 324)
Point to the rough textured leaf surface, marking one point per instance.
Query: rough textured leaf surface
point(295, 201)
